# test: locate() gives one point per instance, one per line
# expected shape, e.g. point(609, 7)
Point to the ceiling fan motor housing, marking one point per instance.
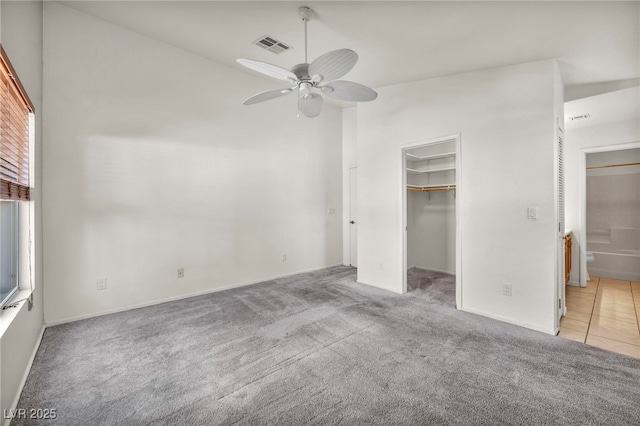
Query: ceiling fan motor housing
point(301, 71)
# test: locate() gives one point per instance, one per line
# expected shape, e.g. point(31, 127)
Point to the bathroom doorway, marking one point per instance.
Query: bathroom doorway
point(603, 311)
point(431, 177)
point(610, 228)
point(613, 213)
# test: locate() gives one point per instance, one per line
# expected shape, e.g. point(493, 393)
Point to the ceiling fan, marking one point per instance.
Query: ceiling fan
point(321, 74)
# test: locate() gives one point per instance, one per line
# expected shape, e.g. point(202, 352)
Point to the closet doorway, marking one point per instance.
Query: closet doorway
point(431, 176)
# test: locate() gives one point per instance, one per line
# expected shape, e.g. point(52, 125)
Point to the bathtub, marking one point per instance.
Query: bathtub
point(616, 252)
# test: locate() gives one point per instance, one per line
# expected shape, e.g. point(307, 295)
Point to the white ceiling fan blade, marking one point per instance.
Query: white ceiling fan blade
point(268, 69)
point(266, 95)
point(349, 91)
point(332, 65)
point(310, 104)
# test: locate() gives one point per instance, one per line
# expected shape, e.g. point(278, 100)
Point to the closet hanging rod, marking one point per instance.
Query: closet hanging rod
point(613, 165)
point(433, 188)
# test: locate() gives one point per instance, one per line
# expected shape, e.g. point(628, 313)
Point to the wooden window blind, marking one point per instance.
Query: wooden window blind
point(15, 109)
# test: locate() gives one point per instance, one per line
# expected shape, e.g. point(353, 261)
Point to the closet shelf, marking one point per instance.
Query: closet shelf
point(411, 157)
point(441, 169)
point(428, 188)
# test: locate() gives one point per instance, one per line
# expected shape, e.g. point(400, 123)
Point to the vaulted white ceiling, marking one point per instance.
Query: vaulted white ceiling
point(594, 42)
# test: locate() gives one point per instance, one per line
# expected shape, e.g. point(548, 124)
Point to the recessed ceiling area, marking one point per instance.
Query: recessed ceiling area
point(398, 42)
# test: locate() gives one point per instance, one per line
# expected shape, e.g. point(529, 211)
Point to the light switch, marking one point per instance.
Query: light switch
point(532, 213)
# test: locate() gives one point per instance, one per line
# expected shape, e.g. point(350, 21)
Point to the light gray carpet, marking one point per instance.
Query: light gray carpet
point(320, 349)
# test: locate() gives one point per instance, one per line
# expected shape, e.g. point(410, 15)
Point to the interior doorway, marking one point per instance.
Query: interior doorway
point(431, 178)
point(603, 310)
point(582, 194)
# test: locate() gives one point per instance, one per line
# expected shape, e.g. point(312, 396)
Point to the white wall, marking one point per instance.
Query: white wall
point(506, 118)
point(21, 37)
point(578, 140)
point(431, 231)
point(152, 164)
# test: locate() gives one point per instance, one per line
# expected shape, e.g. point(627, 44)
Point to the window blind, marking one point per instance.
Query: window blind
point(15, 108)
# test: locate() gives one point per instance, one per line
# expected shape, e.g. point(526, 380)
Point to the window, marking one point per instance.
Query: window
point(16, 111)
point(9, 211)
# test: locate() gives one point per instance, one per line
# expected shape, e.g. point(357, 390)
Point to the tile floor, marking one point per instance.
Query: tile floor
point(604, 314)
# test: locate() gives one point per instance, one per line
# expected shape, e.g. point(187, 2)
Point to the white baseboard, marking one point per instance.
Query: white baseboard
point(14, 405)
point(379, 287)
point(511, 321)
point(185, 296)
point(433, 269)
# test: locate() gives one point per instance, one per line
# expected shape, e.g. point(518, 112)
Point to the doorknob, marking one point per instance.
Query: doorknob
point(352, 222)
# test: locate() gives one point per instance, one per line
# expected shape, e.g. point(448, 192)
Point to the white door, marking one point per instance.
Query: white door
point(561, 235)
point(353, 215)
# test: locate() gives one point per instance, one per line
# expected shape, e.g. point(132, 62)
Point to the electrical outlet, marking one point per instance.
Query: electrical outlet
point(284, 257)
point(102, 284)
point(506, 289)
point(181, 273)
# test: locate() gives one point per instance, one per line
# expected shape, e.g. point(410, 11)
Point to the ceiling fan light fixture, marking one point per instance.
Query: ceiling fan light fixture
point(310, 104)
point(305, 87)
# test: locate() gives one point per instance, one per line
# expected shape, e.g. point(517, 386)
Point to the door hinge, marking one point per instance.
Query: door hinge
point(559, 304)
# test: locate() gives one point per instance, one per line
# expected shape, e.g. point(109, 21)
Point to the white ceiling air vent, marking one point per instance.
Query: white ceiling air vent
point(579, 117)
point(271, 44)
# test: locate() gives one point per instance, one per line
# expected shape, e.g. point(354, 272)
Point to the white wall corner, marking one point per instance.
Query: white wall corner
point(507, 139)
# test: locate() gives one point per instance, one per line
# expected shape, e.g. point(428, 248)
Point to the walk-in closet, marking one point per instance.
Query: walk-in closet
point(431, 213)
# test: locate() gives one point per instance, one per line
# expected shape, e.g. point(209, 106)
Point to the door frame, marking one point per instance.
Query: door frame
point(582, 199)
point(458, 206)
point(351, 243)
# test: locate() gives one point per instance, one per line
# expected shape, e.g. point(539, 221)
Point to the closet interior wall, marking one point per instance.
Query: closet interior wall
point(431, 226)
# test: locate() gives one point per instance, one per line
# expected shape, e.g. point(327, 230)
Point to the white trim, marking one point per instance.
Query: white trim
point(457, 137)
point(390, 289)
point(433, 270)
point(186, 296)
point(349, 218)
point(346, 214)
point(511, 321)
point(582, 199)
point(8, 315)
point(16, 399)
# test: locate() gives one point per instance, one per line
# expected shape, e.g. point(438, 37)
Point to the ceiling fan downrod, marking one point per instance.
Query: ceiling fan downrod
point(305, 14)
